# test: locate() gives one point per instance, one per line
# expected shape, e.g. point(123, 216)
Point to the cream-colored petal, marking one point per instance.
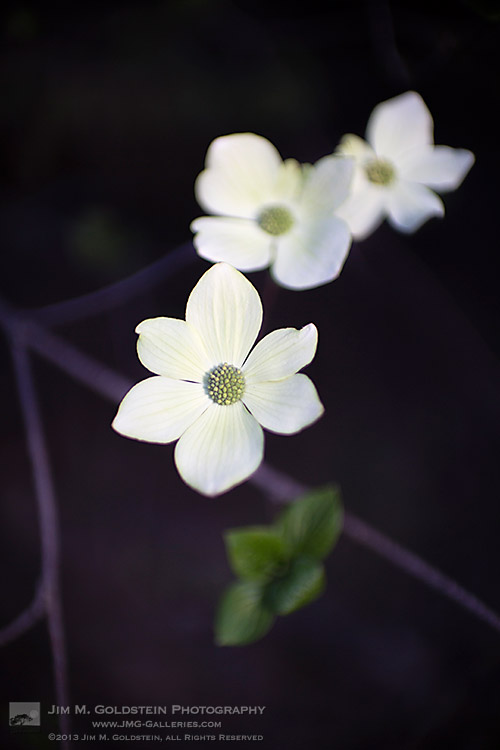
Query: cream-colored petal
point(353, 145)
point(240, 174)
point(171, 347)
point(439, 167)
point(159, 410)
point(240, 242)
point(226, 311)
point(327, 185)
point(410, 204)
point(284, 406)
point(220, 450)
point(399, 125)
point(364, 210)
point(312, 254)
point(288, 182)
point(280, 354)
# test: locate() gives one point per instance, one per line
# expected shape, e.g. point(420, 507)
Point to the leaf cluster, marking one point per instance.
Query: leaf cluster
point(279, 567)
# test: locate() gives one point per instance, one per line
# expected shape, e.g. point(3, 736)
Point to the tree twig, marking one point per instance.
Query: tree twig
point(49, 524)
point(361, 533)
point(282, 489)
point(116, 294)
point(80, 366)
point(25, 620)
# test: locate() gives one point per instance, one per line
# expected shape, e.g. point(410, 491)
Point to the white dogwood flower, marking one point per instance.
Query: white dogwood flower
point(397, 166)
point(213, 394)
point(272, 212)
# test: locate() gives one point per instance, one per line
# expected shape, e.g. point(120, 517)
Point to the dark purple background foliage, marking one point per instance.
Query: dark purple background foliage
point(107, 113)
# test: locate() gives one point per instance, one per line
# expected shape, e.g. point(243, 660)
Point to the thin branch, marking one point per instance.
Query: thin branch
point(114, 295)
point(361, 533)
point(49, 524)
point(80, 366)
point(282, 489)
point(278, 486)
point(33, 613)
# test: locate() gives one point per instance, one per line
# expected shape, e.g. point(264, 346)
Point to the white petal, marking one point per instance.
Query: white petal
point(364, 210)
point(221, 449)
point(171, 347)
point(439, 167)
point(241, 171)
point(312, 254)
point(280, 354)
point(240, 242)
point(353, 145)
point(327, 184)
point(225, 309)
point(159, 410)
point(288, 182)
point(400, 124)
point(410, 205)
point(284, 406)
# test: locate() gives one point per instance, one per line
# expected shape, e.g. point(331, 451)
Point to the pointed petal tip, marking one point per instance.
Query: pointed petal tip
point(114, 425)
point(215, 492)
point(468, 159)
point(192, 226)
point(143, 325)
point(311, 332)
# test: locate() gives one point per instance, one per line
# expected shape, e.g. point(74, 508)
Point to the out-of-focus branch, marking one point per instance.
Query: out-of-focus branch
point(26, 620)
point(22, 329)
point(116, 294)
point(361, 533)
point(282, 489)
point(80, 366)
point(278, 486)
point(48, 521)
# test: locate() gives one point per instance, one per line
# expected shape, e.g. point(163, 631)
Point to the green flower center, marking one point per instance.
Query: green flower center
point(275, 220)
point(380, 172)
point(225, 384)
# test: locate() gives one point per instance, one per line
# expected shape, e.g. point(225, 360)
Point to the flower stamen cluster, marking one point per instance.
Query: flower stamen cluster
point(275, 220)
point(380, 172)
point(225, 384)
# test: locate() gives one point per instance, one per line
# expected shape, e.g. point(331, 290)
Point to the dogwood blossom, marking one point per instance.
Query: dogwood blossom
point(272, 212)
point(397, 166)
point(211, 391)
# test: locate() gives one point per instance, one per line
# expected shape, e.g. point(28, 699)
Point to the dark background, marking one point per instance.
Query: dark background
point(107, 112)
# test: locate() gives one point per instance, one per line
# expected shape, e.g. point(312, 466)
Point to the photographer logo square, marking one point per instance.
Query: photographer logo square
point(24, 717)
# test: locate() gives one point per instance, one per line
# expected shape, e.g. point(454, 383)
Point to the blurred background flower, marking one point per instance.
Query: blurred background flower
point(273, 212)
point(396, 167)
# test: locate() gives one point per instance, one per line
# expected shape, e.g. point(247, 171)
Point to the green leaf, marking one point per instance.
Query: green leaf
point(312, 524)
point(241, 616)
point(256, 553)
point(303, 583)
